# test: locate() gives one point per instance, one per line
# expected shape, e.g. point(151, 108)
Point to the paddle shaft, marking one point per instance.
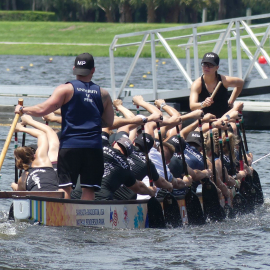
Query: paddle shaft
point(9, 136)
point(230, 153)
point(241, 142)
point(162, 152)
point(221, 155)
point(216, 89)
point(203, 148)
point(147, 158)
point(23, 144)
point(146, 151)
point(15, 146)
point(244, 133)
point(182, 151)
point(212, 150)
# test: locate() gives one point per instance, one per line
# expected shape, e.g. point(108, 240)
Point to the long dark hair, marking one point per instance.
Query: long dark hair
point(24, 156)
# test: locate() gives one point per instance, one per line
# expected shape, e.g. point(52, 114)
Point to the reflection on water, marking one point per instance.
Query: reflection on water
point(241, 243)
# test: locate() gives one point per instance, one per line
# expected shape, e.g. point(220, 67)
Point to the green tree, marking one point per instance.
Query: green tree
point(108, 6)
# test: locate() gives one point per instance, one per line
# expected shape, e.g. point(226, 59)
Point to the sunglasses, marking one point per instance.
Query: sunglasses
point(209, 65)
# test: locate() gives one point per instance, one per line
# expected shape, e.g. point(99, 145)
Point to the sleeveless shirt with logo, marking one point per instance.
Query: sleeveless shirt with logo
point(81, 117)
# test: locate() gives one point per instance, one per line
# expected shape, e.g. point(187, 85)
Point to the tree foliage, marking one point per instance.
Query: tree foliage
point(188, 11)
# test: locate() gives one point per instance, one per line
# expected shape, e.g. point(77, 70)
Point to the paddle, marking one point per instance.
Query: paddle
point(170, 205)
point(214, 211)
point(193, 205)
point(253, 193)
point(256, 179)
point(239, 202)
point(227, 208)
point(9, 136)
point(211, 202)
point(155, 213)
point(216, 89)
point(23, 144)
point(15, 147)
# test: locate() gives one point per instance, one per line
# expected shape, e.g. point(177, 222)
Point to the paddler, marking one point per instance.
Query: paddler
point(203, 87)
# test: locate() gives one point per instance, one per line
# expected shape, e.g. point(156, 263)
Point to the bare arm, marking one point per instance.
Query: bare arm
point(140, 188)
point(235, 82)
point(162, 183)
point(108, 113)
point(51, 117)
point(21, 186)
point(60, 96)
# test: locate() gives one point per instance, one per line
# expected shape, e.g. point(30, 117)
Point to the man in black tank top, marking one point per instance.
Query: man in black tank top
point(203, 87)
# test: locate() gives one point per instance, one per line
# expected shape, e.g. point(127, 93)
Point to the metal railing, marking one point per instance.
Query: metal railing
point(235, 28)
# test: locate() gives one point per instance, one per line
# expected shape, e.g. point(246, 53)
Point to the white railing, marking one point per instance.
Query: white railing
point(237, 30)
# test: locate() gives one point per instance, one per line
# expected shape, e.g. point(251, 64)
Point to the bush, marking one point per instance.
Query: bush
point(26, 16)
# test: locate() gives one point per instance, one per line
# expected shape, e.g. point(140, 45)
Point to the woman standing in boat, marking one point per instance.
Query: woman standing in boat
point(203, 87)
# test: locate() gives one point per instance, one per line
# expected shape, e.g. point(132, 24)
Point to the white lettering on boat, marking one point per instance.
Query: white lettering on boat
point(89, 212)
point(90, 222)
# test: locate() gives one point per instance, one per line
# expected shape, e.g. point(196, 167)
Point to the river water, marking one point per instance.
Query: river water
point(241, 243)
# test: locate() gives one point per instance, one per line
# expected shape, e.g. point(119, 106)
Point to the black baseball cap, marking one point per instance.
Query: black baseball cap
point(121, 134)
point(83, 64)
point(175, 142)
point(212, 58)
point(194, 137)
point(127, 144)
point(149, 141)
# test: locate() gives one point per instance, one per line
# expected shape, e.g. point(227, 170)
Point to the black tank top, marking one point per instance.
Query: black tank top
point(42, 179)
point(220, 105)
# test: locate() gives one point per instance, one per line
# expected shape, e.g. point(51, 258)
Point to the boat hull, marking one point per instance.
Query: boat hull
point(105, 214)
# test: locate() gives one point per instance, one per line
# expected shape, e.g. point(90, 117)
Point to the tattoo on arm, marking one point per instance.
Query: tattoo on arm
point(104, 124)
point(105, 96)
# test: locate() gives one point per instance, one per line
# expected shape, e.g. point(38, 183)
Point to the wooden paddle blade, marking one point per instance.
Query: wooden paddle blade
point(229, 211)
point(194, 209)
point(171, 211)
point(11, 212)
point(259, 200)
point(155, 214)
point(249, 194)
point(255, 191)
point(256, 180)
point(211, 205)
point(239, 204)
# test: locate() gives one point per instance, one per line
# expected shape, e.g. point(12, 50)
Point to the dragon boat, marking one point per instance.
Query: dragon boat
point(33, 207)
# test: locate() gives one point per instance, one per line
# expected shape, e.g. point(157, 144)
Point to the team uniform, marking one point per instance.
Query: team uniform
point(194, 159)
point(80, 142)
point(116, 173)
point(139, 168)
point(220, 105)
point(177, 169)
point(41, 179)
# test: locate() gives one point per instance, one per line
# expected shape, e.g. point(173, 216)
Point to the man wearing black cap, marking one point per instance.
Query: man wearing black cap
point(85, 109)
point(203, 87)
point(117, 171)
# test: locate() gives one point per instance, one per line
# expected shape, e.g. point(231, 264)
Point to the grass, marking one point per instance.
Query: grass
point(101, 36)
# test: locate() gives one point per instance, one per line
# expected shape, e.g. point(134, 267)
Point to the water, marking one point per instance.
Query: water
point(241, 243)
point(60, 71)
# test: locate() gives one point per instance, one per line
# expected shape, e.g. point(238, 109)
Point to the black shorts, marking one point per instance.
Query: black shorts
point(86, 162)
